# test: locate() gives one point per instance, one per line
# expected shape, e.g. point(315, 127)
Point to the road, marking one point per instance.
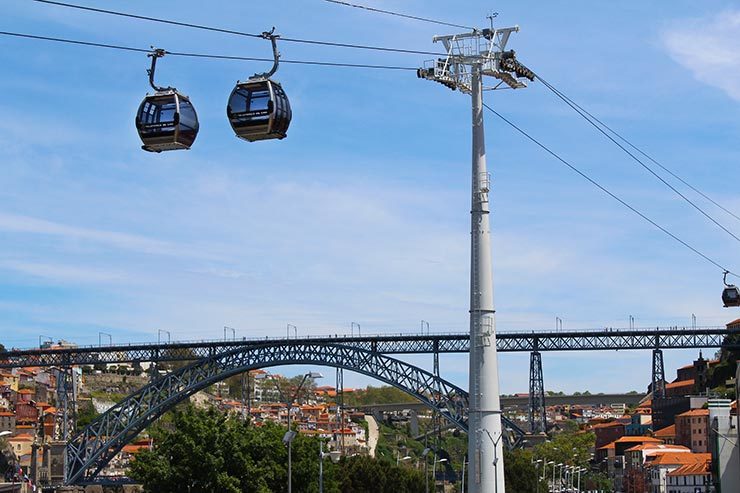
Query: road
point(372, 434)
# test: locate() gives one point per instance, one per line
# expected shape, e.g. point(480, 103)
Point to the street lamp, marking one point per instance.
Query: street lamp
point(544, 470)
point(554, 468)
point(399, 458)
point(333, 456)
point(537, 472)
point(462, 484)
point(424, 454)
point(290, 434)
point(434, 472)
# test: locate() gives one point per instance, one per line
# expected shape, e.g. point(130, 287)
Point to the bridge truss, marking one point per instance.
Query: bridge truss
point(93, 447)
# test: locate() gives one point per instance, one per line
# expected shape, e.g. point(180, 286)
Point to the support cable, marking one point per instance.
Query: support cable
point(586, 116)
point(201, 55)
point(646, 155)
point(607, 191)
point(398, 14)
point(234, 32)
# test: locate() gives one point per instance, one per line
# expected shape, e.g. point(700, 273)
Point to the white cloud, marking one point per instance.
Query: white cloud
point(14, 223)
point(62, 273)
point(707, 47)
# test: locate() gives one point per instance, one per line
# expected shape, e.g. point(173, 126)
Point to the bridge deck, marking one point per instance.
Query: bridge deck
point(594, 340)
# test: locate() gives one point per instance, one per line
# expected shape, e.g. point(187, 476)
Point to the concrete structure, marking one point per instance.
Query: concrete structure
point(724, 447)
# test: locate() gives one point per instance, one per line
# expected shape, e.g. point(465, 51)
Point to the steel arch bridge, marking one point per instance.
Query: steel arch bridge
point(92, 448)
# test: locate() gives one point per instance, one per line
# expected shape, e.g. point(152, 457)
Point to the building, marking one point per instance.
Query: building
point(690, 478)
point(662, 464)
point(667, 434)
point(724, 446)
point(692, 430)
point(7, 421)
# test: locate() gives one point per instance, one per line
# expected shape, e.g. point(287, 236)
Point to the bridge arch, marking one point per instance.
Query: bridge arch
point(90, 450)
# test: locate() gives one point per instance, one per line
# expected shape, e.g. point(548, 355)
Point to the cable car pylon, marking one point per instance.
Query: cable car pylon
point(258, 109)
point(471, 56)
point(166, 120)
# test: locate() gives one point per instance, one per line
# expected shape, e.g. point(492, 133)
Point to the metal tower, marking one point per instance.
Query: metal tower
point(537, 413)
point(470, 56)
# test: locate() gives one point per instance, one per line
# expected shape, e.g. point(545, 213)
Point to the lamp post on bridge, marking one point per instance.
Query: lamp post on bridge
point(295, 330)
point(159, 333)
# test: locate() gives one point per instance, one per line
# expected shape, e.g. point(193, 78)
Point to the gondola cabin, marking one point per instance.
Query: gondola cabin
point(731, 296)
point(166, 121)
point(259, 110)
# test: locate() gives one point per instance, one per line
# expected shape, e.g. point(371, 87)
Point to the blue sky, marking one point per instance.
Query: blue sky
point(361, 214)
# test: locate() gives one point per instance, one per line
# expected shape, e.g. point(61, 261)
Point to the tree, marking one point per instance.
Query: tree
point(205, 450)
point(360, 474)
point(520, 473)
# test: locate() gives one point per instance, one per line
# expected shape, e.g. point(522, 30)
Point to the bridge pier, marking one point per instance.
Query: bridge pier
point(658, 380)
point(66, 394)
point(537, 411)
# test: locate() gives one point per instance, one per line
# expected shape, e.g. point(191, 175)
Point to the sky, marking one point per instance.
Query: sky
point(362, 213)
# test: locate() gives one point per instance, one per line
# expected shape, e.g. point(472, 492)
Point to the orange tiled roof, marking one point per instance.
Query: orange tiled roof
point(635, 439)
point(608, 425)
point(25, 391)
point(695, 412)
point(23, 437)
point(658, 448)
point(668, 431)
point(133, 448)
point(608, 446)
point(697, 468)
point(674, 458)
point(680, 383)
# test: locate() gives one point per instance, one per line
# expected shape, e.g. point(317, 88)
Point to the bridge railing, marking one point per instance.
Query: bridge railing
point(381, 335)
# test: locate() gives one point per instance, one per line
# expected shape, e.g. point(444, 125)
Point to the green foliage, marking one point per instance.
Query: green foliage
point(206, 451)
point(85, 414)
point(521, 475)
point(377, 395)
point(361, 474)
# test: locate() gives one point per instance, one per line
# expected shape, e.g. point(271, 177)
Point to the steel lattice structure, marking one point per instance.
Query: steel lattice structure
point(594, 340)
point(92, 448)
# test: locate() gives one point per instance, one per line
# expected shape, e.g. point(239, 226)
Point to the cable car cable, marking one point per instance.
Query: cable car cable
point(202, 55)
point(607, 191)
point(646, 155)
point(637, 159)
point(397, 14)
point(237, 33)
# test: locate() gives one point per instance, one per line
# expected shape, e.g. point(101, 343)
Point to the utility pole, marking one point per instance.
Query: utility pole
point(470, 57)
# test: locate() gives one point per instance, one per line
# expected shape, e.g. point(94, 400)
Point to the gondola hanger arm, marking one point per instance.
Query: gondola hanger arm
point(155, 54)
point(275, 53)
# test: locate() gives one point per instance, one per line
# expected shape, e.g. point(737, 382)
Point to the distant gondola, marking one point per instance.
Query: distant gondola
point(259, 109)
point(166, 120)
point(731, 294)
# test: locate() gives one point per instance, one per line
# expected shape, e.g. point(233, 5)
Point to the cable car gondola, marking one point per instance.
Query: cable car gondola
point(259, 109)
point(166, 120)
point(731, 294)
